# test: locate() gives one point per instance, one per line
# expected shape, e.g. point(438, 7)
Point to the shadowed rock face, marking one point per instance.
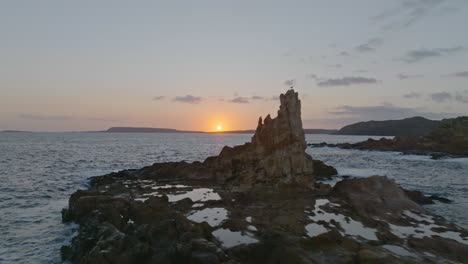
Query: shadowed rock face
point(275, 155)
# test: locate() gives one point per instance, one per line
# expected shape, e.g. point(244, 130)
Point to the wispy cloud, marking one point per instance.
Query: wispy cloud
point(422, 54)
point(403, 76)
point(412, 95)
point(346, 81)
point(46, 117)
point(290, 82)
point(255, 97)
point(463, 74)
point(442, 97)
point(338, 65)
point(159, 98)
point(407, 12)
point(344, 53)
point(62, 118)
point(240, 100)
point(370, 45)
point(189, 99)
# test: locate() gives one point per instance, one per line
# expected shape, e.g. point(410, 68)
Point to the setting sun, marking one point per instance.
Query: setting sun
point(219, 127)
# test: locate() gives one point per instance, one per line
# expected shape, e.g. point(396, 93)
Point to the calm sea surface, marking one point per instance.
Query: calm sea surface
point(39, 171)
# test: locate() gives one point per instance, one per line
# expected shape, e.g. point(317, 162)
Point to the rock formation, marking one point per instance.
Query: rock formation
point(225, 211)
point(276, 154)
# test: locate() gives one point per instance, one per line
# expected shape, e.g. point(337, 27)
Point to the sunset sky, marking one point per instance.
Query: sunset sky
point(90, 65)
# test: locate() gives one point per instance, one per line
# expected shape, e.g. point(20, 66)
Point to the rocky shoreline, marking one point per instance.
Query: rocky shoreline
point(449, 140)
point(256, 203)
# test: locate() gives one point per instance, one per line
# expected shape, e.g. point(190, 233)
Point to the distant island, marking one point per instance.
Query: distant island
point(15, 131)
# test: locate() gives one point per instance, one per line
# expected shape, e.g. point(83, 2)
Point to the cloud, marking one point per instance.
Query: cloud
point(407, 12)
point(383, 112)
point(46, 117)
point(240, 100)
point(290, 82)
point(335, 65)
point(346, 81)
point(189, 99)
point(60, 118)
point(314, 76)
point(422, 54)
point(403, 76)
point(257, 97)
point(370, 45)
point(412, 95)
point(159, 98)
point(441, 97)
point(463, 74)
point(344, 53)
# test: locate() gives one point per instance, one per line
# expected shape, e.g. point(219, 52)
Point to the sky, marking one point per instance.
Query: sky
point(194, 65)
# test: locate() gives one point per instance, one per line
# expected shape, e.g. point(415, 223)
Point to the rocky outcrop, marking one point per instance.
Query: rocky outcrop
point(375, 196)
point(275, 155)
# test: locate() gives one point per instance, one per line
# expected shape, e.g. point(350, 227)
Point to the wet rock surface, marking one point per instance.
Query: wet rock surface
point(255, 203)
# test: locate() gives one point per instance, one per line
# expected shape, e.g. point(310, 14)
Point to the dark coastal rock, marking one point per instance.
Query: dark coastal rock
point(323, 171)
point(375, 196)
point(418, 197)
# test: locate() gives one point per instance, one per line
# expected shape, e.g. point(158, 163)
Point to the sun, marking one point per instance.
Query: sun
point(219, 128)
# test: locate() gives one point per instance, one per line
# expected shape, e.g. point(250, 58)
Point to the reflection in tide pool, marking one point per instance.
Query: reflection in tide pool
point(349, 226)
point(213, 216)
point(230, 238)
point(196, 195)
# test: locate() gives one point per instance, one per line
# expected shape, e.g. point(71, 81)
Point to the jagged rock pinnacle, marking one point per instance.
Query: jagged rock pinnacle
point(276, 154)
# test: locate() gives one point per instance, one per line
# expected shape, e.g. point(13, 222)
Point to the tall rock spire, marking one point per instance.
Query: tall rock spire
point(276, 154)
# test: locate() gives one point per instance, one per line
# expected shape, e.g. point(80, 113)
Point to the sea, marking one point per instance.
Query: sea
point(39, 171)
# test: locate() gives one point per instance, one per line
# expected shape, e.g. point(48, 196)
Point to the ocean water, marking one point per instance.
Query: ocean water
point(39, 171)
